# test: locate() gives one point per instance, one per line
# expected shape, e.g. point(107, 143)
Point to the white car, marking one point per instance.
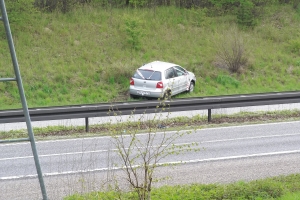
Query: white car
point(161, 80)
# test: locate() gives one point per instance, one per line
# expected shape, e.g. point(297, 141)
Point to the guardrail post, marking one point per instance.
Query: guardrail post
point(209, 115)
point(87, 128)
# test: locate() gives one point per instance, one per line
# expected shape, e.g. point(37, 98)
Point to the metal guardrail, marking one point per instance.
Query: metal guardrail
point(150, 106)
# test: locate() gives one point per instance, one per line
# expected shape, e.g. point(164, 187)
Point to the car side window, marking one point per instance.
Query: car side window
point(169, 73)
point(180, 71)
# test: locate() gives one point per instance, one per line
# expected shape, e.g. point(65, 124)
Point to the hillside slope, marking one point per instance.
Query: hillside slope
point(89, 54)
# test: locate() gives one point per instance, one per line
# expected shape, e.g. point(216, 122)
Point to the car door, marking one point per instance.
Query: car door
point(182, 79)
point(170, 77)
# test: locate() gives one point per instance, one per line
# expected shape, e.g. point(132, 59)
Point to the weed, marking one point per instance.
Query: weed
point(111, 80)
point(226, 80)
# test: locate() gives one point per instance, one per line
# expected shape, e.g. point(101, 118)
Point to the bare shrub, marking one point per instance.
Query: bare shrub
point(231, 51)
point(142, 154)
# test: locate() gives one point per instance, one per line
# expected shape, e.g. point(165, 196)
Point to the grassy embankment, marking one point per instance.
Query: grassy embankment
point(281, 188)
point(84, 56)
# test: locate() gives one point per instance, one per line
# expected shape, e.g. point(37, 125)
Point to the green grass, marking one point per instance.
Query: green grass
point(85, 56)
point(282, 187)
point(290, 196)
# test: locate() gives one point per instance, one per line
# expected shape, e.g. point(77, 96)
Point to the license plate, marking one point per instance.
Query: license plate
point(143, 93)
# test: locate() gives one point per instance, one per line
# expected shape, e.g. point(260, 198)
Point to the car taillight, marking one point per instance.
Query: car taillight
point(160, 85)
point(131, 81)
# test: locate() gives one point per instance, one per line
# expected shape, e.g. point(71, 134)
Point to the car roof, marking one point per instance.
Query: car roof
point(157, 66)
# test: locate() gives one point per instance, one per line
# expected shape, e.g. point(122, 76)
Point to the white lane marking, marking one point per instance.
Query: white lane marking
point(236, 157)
point(160, 164)
point(250, 138)
point(167, 132)
point(178, 144)
point(52, 155)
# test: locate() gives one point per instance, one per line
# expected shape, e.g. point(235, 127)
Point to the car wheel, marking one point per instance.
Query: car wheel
point(191, 88)
point(133, 96)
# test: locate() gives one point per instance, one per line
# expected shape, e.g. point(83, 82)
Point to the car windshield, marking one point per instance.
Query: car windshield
point(147, 74)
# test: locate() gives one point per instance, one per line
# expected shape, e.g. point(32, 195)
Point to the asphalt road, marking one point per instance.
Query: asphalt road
point(79, 165)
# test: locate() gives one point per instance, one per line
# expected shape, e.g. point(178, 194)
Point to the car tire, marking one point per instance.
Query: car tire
point(133, 96)
point(192, 86)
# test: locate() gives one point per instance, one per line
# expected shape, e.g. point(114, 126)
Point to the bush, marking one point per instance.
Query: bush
point(231, 52)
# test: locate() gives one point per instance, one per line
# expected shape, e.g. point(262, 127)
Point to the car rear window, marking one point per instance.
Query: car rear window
point(147, 74)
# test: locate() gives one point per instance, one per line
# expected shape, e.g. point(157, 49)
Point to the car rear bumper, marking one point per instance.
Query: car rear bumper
point(146, 93)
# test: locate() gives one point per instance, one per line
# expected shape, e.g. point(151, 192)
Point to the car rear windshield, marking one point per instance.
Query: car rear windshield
point(147, 74)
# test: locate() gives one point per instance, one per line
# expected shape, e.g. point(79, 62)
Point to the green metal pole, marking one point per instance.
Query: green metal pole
point(23, 98)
